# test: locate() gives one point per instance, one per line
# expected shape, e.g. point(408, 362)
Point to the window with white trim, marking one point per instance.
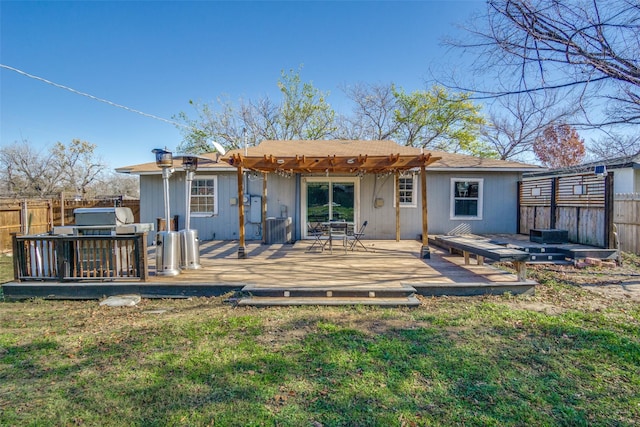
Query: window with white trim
point(466, 198)
point(204, 196)
point(407, 191)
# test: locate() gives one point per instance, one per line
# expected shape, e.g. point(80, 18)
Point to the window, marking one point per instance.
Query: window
point(204, 196)
point(407, 192)
point(466, 198)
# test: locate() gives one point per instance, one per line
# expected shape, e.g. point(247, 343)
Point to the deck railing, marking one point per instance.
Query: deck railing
point(68, 258)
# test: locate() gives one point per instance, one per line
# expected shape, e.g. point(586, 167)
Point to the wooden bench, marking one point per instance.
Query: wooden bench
point(484, 249)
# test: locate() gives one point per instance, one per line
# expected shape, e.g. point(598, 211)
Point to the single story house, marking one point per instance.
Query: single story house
point(363, 181)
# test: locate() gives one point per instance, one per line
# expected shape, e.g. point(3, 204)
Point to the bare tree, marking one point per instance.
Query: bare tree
point(77, 165)
point(27, 172)
point(588, 45)
point(71, 167)
point(615, 145)
point(116, 184)
point(373, 113)
point(514, 122)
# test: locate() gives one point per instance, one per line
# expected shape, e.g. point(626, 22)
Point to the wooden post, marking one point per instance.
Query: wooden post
point(555, 183)
point(521, 270)
point(609, 241)
point(24, 217)
point(425, 253)
point(18, 259)
point(264, 206)
point(519, 207)
point(397, 206)
point(143, 261)
point(49, 215)
point(62, 208)
point(241, 246)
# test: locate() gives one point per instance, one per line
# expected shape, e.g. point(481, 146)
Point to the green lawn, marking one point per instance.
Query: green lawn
point(563, 357)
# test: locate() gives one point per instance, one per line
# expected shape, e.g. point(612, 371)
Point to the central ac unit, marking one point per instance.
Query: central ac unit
point(278, 230)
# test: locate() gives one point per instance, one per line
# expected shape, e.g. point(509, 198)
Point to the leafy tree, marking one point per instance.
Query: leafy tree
point(439, 120)
point(559, 146)
point(223, 125)
point(303, 113)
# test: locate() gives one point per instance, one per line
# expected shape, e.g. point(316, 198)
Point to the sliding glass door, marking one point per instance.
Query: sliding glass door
point(330, 199)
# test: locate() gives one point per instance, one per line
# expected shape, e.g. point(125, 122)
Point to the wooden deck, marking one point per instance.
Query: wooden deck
point(387, 265)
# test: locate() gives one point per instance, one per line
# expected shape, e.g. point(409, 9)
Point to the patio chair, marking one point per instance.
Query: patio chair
point(316, 232)
point(354, 238)
point(338, 231)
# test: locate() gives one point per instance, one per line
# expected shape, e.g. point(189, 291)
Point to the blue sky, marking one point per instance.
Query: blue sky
point(155, 56)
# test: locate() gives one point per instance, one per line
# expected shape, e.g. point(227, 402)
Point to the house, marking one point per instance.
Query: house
point(362, 180)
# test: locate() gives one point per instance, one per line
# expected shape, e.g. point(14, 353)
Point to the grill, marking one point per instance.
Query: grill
point(101, 256)
point(103, 221)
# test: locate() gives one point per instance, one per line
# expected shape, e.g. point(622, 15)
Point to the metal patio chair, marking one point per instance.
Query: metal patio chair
point(318, 233)
point(354, 238)
point(338, 232)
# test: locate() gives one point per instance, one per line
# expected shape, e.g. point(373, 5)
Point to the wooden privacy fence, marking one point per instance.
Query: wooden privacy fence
point(584, 205)
point(37, 216)
point(67, 258)
point(626, 217)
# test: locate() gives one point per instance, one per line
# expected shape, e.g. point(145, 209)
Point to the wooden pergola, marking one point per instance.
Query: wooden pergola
point(332, 164)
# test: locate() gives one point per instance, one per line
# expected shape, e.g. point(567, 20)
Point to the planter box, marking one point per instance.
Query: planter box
point(548, 235)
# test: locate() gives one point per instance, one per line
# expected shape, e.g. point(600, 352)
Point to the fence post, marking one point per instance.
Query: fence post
point(24, 217)
point(608, 211)
point(62, 208)
point(17, 257)
point(554, 202)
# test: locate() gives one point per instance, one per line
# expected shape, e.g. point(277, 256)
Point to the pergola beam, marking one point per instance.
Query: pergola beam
point(331, 163)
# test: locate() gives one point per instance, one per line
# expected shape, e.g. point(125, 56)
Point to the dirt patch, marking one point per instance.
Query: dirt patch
point(542, 307)
point(621, 282)
point(623, 290)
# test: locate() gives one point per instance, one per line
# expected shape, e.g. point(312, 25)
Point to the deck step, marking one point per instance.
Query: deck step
point(554, 262)
point(468, 289)
point(548, 256)
point(329, 295)
point(410, 301)
point(329, 291)
point(600, 253)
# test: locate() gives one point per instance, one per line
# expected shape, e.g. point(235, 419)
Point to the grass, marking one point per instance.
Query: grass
point(6, 270)
point(565, 356)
